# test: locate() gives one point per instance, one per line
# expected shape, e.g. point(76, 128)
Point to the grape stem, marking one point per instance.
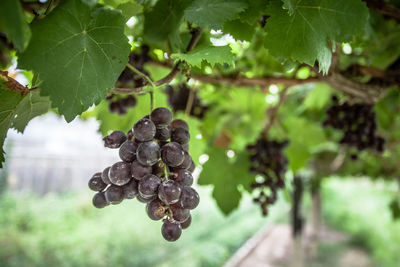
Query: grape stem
point(141, 74)
point(189, 103)
point(273, 111)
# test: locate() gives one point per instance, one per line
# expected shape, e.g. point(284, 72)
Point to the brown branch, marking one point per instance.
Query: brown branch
point(196, 34)
point(384, 8)
point(12, 84)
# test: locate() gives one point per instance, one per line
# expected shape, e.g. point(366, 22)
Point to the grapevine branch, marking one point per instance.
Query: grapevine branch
point(273, 111)
point(384, 8)
point(196, 34)
point(12, 84)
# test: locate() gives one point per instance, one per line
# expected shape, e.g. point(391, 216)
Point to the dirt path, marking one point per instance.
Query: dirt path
point(274, 247)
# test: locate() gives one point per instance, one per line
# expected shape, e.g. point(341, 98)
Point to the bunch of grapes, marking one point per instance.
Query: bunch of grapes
point(358, 124)
point(121, 105)
point(269, 162)
point(156, 171)
point(179, 96)
point(130, 79)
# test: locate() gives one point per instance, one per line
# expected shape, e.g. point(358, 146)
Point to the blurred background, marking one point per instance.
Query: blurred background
point(47, 219)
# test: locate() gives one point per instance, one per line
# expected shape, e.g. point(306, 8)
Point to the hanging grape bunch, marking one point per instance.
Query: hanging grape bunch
point(178, 98)
point(121, 105)
point(358, 124)
point(154, 170)
point(269, 162)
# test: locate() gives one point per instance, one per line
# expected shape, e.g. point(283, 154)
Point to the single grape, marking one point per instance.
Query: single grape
point(148, 186)
point(169, 192)
point(186, 223)
point(156, 210)
point(163, 133)
point(144, 130)
point(189, 198)
point(99, 200)
point(120, 173)
point(139, 171)
point(178, 213)
point(184, 177)
point(130, 189)
point(172, 154)
point(185, 147)
point(115, 139)
point(145, 199)
point(175, 124)
point(180, 135)
point(171, 231)
point(127, 152)
point(114, 194)
point(161, 116)
point(148, 153)
point(96, 183)
point(192, 167)
point(186, 162)
point(105, 175)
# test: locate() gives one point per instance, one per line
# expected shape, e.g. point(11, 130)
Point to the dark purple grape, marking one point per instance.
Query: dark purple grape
point(192, 167)
point(114, 194)
point(184, 177)
point(161, 116)
point(175, 124)
point(163, 133)
point(131, 189)
point(99, 200)
point(186, 223)
point(178, 213)
point(115, 139)
point(144, 130)
point(189, 198)
point(180, 136)
point(169, 192)
point(120, 173)
point(172, 154)
point(148, 186)
point(105, 175)
point(145, 199)
point(139, 171)
point(156, 210)
point(171, 231)
point(148, 153)
point(187, 162)
point(128, 102)
point(127, 152)
point(96, 183)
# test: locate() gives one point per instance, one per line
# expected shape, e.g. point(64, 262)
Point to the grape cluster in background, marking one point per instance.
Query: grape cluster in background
point(269, 162)
point(130, 79)
point(358, 124)
point(178, 97)
point(121, 105)
point(155, 167)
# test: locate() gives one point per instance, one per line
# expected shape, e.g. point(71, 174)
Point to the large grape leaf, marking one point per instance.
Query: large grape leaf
point(213, 55)
point(129, 8)
point(302, 32)
point(79, 52)
point(163, 19)
point(226, 176)
point(12, 22)
point(16, 110)
point(213, 13)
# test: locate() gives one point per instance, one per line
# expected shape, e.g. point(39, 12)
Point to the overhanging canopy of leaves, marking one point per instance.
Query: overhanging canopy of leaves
point(258, 68)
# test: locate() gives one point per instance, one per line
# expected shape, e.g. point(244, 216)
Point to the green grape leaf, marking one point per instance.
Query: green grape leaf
point(319, 97)
point(226, 176)
point(303, 33)
point(79, 53)
point(16, 110)
point(213, 13)
point(239, 30)
point(304, 136)
point(254, 11)
point(213, 55)
point(129, 8)
point(12, 22)
point(164, 19)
